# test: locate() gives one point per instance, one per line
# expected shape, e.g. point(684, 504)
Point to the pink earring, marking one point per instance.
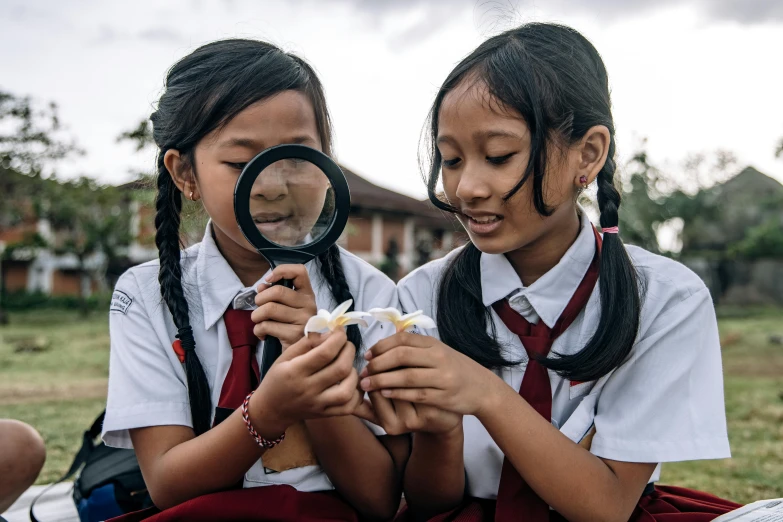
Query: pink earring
point(583, 181)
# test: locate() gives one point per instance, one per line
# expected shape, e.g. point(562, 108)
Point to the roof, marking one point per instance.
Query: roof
point(369, 196)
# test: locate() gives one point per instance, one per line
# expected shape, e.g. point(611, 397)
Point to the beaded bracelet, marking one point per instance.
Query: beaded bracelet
point(261, 441)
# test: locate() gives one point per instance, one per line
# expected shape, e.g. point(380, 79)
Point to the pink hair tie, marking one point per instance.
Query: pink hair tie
point(611, 230)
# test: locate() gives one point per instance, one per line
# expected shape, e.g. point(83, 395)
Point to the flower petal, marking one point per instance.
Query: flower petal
point(348, 322)
point(422, 321)
point(391, 315)
point(412, 315)
point(316, 323)
point(355, 315)
point(341, 309)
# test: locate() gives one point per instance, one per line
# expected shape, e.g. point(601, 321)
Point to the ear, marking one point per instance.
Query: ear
point(591, 152)
point(182, 173)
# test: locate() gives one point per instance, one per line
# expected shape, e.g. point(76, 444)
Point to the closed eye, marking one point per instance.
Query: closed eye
point(448, 163)
point(236, 166)
point(499, 160)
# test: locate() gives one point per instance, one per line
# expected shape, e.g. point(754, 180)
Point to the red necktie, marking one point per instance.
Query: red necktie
point(516, 500)
point(243, 374)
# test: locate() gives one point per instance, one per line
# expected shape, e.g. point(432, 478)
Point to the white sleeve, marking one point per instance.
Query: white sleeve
point(418, 292)
point(665, 404)
point(375, 291)
point(147, 383)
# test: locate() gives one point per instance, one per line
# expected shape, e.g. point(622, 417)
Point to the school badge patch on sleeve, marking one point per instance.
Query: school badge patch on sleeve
point(120, 302)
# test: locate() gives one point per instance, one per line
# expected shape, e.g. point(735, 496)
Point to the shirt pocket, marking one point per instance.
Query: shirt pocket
point(578, 389)
point(292, 477)
point(581, 421)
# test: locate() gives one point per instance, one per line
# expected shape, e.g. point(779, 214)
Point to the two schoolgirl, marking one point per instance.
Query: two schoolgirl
point(564, 369)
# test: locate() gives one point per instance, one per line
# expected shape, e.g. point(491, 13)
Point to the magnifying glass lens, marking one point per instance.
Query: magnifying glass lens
point(292, 203)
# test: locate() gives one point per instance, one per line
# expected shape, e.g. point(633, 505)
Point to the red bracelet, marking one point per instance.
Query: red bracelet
point(261, 441)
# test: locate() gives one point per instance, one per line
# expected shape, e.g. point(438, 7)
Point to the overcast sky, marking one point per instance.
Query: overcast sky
point(690, 75)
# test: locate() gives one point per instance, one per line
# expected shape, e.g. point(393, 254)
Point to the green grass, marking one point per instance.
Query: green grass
point(60, 391)
point(753, 373)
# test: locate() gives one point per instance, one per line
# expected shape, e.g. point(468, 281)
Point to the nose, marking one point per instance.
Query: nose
point(271, 184)
point(473, 185)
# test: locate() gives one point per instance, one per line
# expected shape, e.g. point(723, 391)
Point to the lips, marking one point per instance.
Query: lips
point(270, 217)
point(482, 223)
point(273, 225)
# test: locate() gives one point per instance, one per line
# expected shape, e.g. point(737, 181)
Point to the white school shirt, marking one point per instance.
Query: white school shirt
point(147, 383)
point(664, 404)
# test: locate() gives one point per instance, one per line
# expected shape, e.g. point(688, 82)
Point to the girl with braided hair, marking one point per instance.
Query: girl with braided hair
point(565, 366)
point(185, 329)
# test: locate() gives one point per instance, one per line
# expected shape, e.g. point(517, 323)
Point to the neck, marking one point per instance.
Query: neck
point(247, 265)
point(538, 257)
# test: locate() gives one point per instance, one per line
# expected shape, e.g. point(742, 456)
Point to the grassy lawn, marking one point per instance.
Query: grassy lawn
point(61, 390)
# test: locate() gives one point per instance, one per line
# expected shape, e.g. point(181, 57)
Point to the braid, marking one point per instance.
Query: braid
point(619, 289)
point(608, 196)
point(167, 220)
point(332, 271)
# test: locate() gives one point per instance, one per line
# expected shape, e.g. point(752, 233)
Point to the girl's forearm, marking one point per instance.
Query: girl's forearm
point(435, 475)
point(359, 466)
point(213, 461)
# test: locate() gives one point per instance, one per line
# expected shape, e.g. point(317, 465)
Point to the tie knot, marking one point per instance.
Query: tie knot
point(239, 326)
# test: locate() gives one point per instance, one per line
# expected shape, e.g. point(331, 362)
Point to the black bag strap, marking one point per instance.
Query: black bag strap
point(81, 457)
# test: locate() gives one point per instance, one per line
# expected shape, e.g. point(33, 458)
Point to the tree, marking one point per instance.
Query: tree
point(643, 207)
point(762, 241)
point(88, 220)
point(32, 142)
point(141, 136)
point(390, 265)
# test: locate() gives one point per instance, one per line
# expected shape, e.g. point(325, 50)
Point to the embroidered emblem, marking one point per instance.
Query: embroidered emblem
point(120, 302)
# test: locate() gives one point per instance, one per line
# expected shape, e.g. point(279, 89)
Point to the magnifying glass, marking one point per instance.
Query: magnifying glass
point(291, 203)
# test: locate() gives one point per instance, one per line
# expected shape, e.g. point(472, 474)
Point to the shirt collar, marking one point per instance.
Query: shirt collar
point(550, 294)
point(218, 285)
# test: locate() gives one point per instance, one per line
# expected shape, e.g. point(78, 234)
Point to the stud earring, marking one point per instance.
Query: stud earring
point(191, 196)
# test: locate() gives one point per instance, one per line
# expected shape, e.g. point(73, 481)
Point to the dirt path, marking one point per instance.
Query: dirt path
point(52, 391)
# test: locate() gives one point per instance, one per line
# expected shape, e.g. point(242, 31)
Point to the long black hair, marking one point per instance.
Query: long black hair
point(555, 79)
point(204, 91)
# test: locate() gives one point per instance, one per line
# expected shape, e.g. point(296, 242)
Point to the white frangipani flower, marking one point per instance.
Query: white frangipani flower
point(339, 317)
point(403, 322)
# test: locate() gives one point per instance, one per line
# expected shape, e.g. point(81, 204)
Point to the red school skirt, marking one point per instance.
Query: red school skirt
point(658, 504)
point(263, 504)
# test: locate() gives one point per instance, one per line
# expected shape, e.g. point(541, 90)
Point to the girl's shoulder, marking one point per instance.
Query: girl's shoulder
point(663, 282)
point(141, 281)
point(422, 283)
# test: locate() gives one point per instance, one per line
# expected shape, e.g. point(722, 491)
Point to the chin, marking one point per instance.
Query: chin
point(492, 245)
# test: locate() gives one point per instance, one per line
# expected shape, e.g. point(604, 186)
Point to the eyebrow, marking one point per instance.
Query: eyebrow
point(482, 135)
point(249, 143)
point(488, 134)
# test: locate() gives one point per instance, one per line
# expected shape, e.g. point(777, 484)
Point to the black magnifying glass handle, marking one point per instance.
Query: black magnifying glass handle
point(272, 346)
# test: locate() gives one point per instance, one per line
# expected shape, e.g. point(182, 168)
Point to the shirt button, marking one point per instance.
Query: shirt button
point(521, 302)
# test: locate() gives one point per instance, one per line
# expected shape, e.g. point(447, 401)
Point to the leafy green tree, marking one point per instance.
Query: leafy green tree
point(762, 241)
point(88, 219)
point(32, 142)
